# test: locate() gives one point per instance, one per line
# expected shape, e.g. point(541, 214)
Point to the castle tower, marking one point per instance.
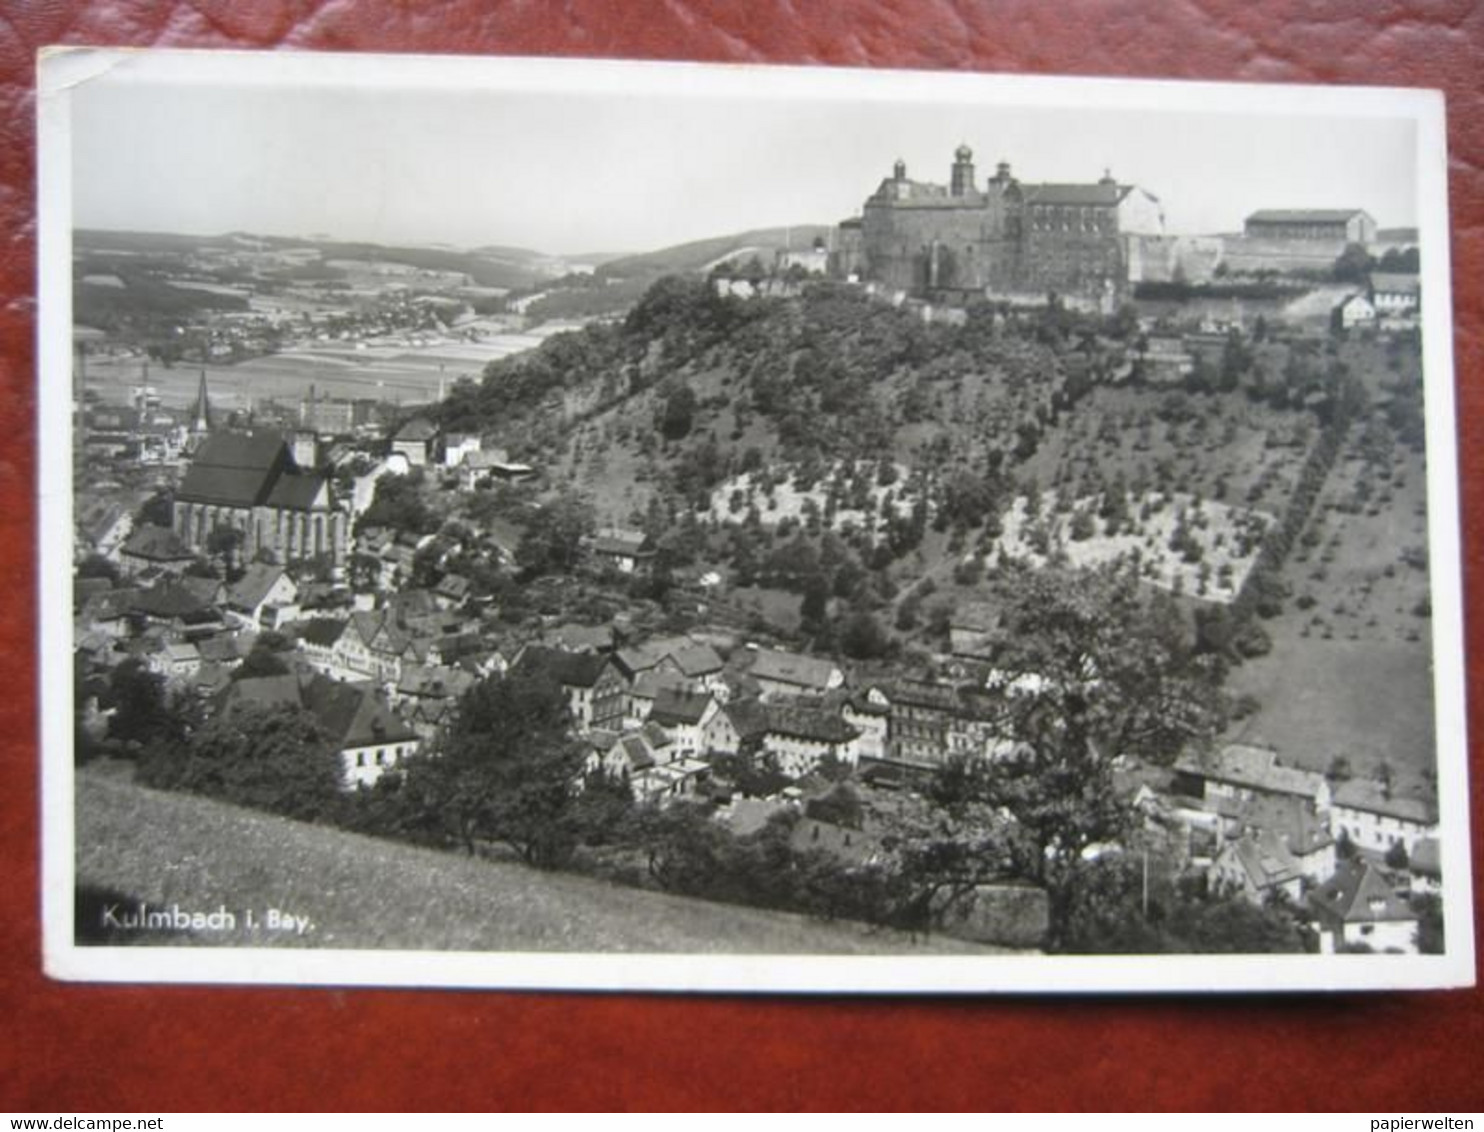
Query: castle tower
point(201, 411)
point(962, 182)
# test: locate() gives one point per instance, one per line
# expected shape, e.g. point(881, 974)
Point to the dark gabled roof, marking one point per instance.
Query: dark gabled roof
point(673, 707)
point(791, 668)
point(322, 631)
point(1103, 193)
point(1427, 858)
point(1358, 893)
point(295, 491)
point(622, 547)
point(697, 660)
point(749, 717)
point(691, 658)
point(1370, 796)
point(581, 638)
point(157, 544)
point(1305, 215)
point(265, 691)
point(453, 586)
point(1395, 283)
point(234, 469)
point(1266, 860)
point(1251, 766)
point(637, 752)
point(169, 599)
point(260, 450)
point(1290, 817)
point(352, 715)
point(571, 669)
point(417, 430)
point(808, 723)
point(923, 693)
point(248, 592)
point(226, 648)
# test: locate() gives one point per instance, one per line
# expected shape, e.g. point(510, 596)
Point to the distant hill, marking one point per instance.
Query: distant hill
point(699, 255)
point(511, 268)
point(136, 844)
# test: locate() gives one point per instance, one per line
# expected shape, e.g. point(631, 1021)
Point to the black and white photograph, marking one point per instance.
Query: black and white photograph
point(585, 524)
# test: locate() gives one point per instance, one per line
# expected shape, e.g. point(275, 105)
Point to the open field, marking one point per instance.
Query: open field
point(359, 892)
point(385, 371)
point(1365, 700)
point(1223, 541)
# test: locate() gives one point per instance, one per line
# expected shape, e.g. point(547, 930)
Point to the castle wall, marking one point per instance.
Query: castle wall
point(947, 244)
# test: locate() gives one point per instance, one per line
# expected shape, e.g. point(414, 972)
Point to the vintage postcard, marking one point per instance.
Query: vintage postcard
point(531, 523)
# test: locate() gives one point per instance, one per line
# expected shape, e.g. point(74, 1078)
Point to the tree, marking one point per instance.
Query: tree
point(679, 412)
point(1354, 264)
point(1088, 669)
point(506, 771)
point(862, 638)
point(158, 510)
point(266, 756)
point(143, 714)
point(225, 544)
point(553, 539)
point(96, 566)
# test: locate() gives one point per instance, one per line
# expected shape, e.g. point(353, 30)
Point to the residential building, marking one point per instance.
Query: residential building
point(593, 686)
point(263, 596)
point(675, 662)
point(778, 673)
point(1355, 311)
point(414, 442)
point(152, 548)
point(628, 552)
point(1356, 909)
point(1395, 295)
point(798, 735)
point(685, 716)
point(1377, 815)
point(367, 735)
point(1257, 867)
point(1242, 772)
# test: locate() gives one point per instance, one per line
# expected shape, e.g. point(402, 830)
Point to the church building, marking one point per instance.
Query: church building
point(249, 481)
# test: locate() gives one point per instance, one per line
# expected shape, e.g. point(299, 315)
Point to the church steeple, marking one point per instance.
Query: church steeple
point(201, 413)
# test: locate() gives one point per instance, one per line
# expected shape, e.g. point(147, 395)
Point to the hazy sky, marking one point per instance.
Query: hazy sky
point(625, 167)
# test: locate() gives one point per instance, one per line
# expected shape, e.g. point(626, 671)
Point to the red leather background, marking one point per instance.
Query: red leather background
point(141, 1048)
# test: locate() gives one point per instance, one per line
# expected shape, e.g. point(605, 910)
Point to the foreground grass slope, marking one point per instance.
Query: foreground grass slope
point(137, 845)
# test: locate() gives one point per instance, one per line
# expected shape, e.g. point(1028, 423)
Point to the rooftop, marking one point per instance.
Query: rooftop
point(792, 668)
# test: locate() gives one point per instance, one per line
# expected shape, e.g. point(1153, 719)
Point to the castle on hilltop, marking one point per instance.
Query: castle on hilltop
point(1003, 238)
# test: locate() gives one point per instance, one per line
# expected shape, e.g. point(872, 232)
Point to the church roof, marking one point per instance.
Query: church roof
point(233, 469)
point(295, 492)
point(241, 450)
